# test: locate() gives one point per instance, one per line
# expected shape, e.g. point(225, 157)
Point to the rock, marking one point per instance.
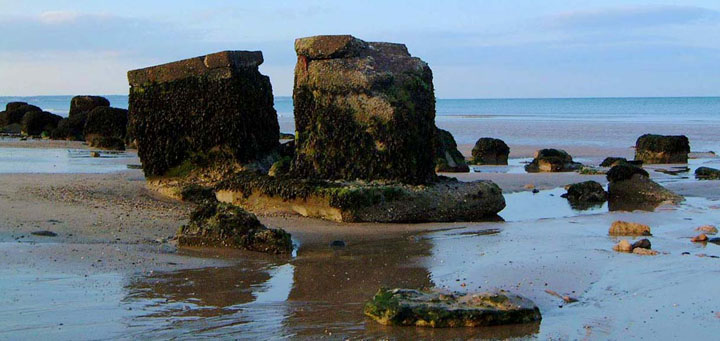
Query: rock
point(85, 104)
point(714, 240)
point(39, 122)
point(583, 193)
point(699, 238)
point(529, 186)
point(707, 229)
point(644, 252)
point(106, 126)
point(197, 194)
point(437, 309)
point(15, 112)
point(449, 159)
point(44, 233)
point(662, 149)
point(624, 228)
point(623, 246)
point(642, 243)
point(217, 104)
point(630, 185)
point(707, 173)
point(363, 111)
point(613, 161)
point(223, 225)
point(94, 154)
point(71, 128)
point(490, 151)
point(337, 244)
point(552, 160)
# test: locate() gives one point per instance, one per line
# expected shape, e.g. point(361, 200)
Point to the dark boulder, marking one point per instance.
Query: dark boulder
point(613, 161)
point(85, 104)
point(707, 173)
point(552, 160)
point(71, 128)
point(106, 127)
point(630, 188)
point(11, 106)
point(222, 225)
point(15, 111)
point(39, 122)
point(363, 110)
point(490, 151)
point(653, 149)
point(585, 194)
point(449, 158)
point(191, 107)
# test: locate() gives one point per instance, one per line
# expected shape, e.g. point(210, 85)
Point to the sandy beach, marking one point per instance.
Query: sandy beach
point(114, 255)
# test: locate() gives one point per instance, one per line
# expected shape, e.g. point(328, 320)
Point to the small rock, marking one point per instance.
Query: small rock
point(700, 238)
point(529, 186)
point(624, 228)
point(337, 244)
point(94, 154)
point(44, 233)
point(623, 246)
point(642, 243)
point(707, 229)
point(535, 190)
point(644, 252)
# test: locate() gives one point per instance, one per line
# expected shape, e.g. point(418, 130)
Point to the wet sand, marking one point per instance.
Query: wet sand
point(113, 270)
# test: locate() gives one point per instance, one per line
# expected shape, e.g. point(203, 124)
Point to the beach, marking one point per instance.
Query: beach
point(114, 271)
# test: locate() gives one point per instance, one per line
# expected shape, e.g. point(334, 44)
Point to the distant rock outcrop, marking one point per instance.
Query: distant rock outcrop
point(72, 127)
point(214, 103)
point(449, 158)
point(654, 149)
point(106, 128)
point(490, 151)
point(552, 160)
point(363, 110)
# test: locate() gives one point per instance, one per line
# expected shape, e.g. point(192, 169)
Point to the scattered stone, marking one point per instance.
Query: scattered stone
point(699, 238)
point(436, 309)
point(623, 246)
point(490, 151)
point(552, 160)
point(642, 243)
point(337, 244)
point(624, 228)
point(448, 158)
point(44, 233)
point(223, 225)
point(216, 107)
point(662, 149)
point(613, 161)
point(644, 252)
point(707, 229)
point(363, 111)
point(631, 187)
point(588, 192)
point(707, 173)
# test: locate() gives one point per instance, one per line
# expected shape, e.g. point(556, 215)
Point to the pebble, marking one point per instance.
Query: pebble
point(708, 229)
point(623, 246)
point(700, 238)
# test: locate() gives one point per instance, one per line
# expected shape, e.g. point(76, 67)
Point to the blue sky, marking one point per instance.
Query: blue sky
point(477, 49)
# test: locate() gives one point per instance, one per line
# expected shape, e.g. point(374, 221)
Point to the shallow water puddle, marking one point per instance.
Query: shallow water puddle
point(523, 206)
point(41, 160)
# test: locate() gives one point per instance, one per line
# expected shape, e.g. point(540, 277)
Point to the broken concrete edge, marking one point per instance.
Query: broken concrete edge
point(445, 200)
point(343, 46)
point(216, 65)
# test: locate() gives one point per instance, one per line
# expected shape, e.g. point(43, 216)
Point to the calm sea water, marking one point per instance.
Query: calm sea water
point(601, 122)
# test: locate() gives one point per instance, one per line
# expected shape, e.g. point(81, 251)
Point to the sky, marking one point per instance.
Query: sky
point(476, 49)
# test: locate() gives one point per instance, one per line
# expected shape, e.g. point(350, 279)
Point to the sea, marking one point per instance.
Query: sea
point(550, 122)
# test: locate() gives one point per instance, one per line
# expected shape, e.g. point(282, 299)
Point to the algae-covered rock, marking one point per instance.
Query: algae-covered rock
point(85, 104)
point(490, 151)
point(437, 309)
point(449, 158)
point(630, 185)
point(106, 127)
point(14, 113)
point(707, 173)
point(552, 160)
point(363, 111)
point(652, 148)
point(613, 161)
point(585, 194)
point(71, 128)
point(38, 122)
point(214, 102)
point(223, 225)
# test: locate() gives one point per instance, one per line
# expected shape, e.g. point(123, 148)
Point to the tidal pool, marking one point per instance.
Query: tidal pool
point(56, 160)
